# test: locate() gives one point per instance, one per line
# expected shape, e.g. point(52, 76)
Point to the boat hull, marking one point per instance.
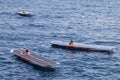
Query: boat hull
point(37, 61)
point(83, 47)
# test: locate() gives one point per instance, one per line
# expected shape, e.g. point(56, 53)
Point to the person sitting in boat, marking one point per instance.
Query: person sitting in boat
point(71, 43)
point(23, 12)
point(26, 52)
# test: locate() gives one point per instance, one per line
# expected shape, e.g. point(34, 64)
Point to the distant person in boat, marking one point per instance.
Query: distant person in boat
point(23, 12)
point(26, 52)
point(71, 43)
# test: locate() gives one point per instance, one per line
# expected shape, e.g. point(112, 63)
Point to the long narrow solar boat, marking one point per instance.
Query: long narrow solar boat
point(82, 46)
point(34, 59)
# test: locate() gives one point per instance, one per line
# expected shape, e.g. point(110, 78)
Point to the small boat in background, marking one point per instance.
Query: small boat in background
point(34, 59)
point(82, 46)
point(24, 13)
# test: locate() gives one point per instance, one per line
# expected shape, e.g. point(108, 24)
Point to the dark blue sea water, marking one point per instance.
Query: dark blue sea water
point(84, 21)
